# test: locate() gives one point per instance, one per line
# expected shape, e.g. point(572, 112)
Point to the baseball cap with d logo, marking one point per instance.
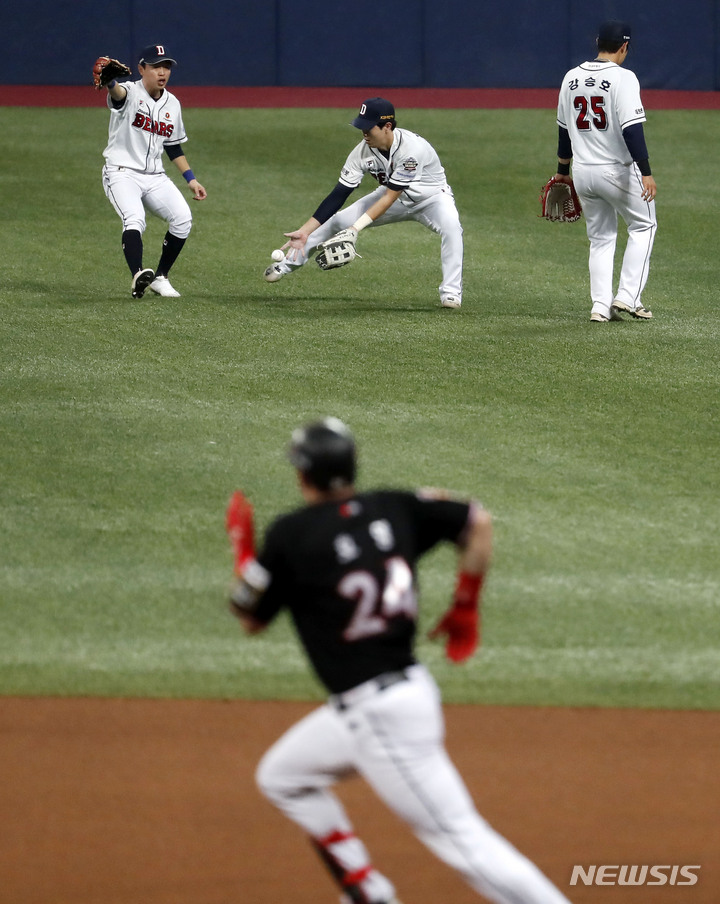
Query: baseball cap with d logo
point(374, 112)
point(155, 53)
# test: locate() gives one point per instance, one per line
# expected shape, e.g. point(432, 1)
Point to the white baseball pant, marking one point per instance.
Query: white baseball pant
point(437, 213)
point(394, 739)
point(130, 193)
point(606, 191)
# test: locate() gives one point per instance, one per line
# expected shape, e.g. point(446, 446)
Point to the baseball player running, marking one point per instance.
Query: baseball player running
point(600, 117)
point(412, 186)
point(145, 120)
point(344, 566)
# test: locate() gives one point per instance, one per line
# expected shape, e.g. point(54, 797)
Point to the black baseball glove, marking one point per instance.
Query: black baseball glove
point(106, 69)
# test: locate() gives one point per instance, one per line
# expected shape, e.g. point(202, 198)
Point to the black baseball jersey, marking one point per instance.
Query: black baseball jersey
point(346, 572)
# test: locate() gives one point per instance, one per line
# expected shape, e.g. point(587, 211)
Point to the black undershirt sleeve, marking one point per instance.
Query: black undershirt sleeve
point(635, 140)
point(564, 144)
point(173, 150)
point(334, 201)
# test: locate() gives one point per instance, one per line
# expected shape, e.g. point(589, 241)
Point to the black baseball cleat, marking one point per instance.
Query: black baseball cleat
point(141, 281)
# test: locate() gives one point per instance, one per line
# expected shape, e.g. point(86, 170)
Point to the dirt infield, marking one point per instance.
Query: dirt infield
point(153, 802)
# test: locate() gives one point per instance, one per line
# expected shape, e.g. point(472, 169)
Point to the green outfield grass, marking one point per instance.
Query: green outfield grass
point(126, 425)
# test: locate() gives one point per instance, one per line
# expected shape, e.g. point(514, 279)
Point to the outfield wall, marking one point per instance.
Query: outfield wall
point(399, 43)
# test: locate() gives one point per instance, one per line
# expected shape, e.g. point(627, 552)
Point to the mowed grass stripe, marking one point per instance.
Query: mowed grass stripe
point(126, 425)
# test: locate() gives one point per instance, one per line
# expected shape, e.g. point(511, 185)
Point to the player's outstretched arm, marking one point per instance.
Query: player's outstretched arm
point(117, 91)
point(327, 208)
point(298, 237)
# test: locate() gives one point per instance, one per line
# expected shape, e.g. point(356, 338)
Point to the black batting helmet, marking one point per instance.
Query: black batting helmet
point(324, 451)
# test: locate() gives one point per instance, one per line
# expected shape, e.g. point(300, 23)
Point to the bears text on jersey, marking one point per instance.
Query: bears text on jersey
point(147, 124)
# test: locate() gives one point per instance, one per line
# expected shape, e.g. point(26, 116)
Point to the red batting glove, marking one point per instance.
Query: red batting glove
point(241, 530)
point(461, 623)
point(461, 626)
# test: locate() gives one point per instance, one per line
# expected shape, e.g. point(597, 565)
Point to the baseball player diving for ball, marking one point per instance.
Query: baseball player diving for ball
point(600, 116)
point(412, 186)
point(145, 120)
point(344, 566)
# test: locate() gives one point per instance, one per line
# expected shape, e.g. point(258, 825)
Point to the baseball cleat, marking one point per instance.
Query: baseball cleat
point(161, 286)
point(141, 281)
point(639, 313)
point(274, 272)
point(599, 317)
point(451, 301)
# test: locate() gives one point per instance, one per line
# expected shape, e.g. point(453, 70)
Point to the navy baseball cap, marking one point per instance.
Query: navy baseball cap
point(374, 112)
point(614, 32)
point(155, 53)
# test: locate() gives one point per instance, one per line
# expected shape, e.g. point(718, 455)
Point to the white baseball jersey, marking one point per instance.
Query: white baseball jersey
point(597, 101)
point(412, 166)
point(141, 128)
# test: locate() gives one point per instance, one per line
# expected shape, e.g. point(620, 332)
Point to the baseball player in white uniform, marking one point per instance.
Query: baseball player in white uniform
point(600, 117)
point(413, 186)
point(145, 120)
point(344, 567)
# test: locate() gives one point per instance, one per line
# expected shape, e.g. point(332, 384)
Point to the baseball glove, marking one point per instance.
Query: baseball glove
point(338, 250)
point(106, 69)
point(560, 202)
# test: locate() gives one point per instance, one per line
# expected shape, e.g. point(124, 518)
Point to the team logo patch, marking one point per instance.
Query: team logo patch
point(410, 164)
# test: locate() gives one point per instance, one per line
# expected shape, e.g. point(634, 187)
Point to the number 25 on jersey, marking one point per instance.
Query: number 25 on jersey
point(591, 112)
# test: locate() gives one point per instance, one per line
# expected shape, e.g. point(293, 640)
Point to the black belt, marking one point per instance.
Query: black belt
point(367, 688)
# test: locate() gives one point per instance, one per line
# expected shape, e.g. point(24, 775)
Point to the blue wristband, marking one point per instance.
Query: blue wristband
point(188, 175)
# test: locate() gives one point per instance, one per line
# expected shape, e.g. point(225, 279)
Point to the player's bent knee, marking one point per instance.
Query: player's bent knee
point(278, 782)
point(134, 224)
point(180, 228)
point(268, 778)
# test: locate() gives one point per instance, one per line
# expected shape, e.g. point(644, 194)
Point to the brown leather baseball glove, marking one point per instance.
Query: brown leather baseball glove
point(106, 69)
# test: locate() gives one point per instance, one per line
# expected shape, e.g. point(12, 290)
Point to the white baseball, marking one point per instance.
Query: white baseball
point(278, 255)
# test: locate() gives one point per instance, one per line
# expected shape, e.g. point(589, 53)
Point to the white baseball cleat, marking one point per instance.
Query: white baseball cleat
point(161, 286)
point(274, 272)
point(602, 317)
point(141, 281)
point(639, 313)
point(450, 301)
